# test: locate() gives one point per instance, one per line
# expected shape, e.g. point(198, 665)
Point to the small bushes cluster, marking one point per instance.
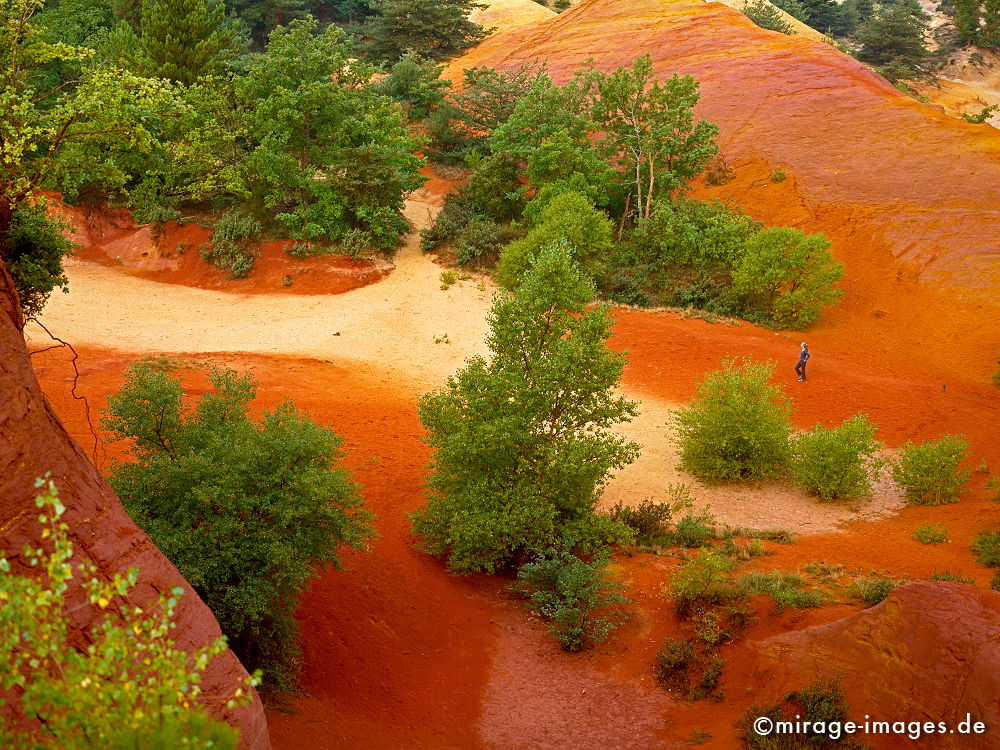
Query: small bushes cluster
point(986, 545)
point(681, 667)
point(787, 589)
point(581, 604)
point(930, 472)
point(931, 533)
point(873, 589)
point(822, 703)
point(231, 246)
point(956, 577)
point(701, 581)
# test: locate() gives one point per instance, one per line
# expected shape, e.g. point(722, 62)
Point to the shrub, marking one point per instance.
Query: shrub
point(672, 664)
point(522, 441)
point(247, 510)
point(783, 587)
point(781, 536)
point(651, 520)
point(700, 581)
point(711, 671)
point(930, 533)
point(993, 484)
point(838, 463)
point(956, 577)
point(693, 530)
point(414, 81)
point(778, 176)
point(788, 275)
point(819, 704)
point(580, 602)
point(231, 245)
point(480, 238)
point(822, 701)
point(738, 425)
point(986, 545)
point(996, 377)
point(995, 583)
point(61, 694)
point(33, 251)
point(766, 16)
point(873, 589)
point(929, 472)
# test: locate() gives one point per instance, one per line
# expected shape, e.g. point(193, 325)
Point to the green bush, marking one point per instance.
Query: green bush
point(231, 246)
point(821, 703)
point(523, 441)
point(693, 530)
point(650, 520)
point(700, 581)
point(125, 684)
point(873, 589)
point(931, 533)
point(33, 251)
point(581, 604)
point(956, 577)
point(766, 16)
point(672, 664)
point(786, 589)
point(839, 463)
point(247, 510)
point(738, 426)
point(414, 82)
point(930, 472)
point(986, 545)
point(788, 275)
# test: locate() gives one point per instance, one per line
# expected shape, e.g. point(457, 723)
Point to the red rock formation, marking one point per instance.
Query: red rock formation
point(904, 191)
point(930, 652)
point(33, 442)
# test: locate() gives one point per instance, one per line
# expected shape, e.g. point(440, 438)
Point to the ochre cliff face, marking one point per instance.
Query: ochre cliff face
point(930, 652)
point(33, 442)
point(909, 196)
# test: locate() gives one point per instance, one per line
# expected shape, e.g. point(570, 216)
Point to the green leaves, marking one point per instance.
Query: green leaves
point(930, 473)
point(840, 462)
point(522, 440)
point(248, 511)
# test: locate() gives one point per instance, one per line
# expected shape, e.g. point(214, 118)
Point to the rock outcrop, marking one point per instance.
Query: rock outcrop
point(33, 442)
point(929, 652)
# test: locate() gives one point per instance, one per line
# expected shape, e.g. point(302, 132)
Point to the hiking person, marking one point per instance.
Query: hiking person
point(800, 368)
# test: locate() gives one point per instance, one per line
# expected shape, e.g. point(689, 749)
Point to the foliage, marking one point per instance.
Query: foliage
point(767, 16)
point(673, 662)
point(892, 39)
point(568, 219)
point(788, 275)
point(650, 520)
point(785, 588)
point(180, 40)
point(737, 427)
point(839, 463)
point(247, 510)
point(820, 706)
point(414, 81)
point(129, 686)
point(873, 589)
point(231, 247)
point(931, 533)
point(947, 575)
point(793, 8)
point(438, 28)
point(33, 251)
point(699, 581)
point(581, 604)
point(982, 115)
point(693, 530)
point(522, 441)
point(978, 22)
point(329, 153)
point(986, 545)
point(929, 472)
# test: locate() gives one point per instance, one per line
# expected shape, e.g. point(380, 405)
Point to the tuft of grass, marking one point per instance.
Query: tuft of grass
point(447, 279)
point(986, 545)
point(781, 536)
point(956, 577)
point(873, 589)
point(931, 533)
point(784, 587)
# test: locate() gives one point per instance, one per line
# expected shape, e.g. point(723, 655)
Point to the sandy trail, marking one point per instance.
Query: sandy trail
point(396, 327)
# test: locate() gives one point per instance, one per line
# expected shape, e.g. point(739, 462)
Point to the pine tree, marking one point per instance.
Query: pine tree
point(436, 28)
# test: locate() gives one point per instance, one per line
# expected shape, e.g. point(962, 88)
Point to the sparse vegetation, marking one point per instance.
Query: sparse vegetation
point(650, 520)
point(956, 577)
point(873, 589)
point(737, 427)
point(930, 472)
point(839, 463)
point(820, 704)
point(700, 581)
point(931, 533)
point(986, 545)
point(787, 589)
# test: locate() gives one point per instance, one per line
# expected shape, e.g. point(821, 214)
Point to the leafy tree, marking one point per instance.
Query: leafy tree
point(577, 598)
point(248, 511)
point(33, 251)
point(767, 16)
point(180, 40)
point(329, 153)
point(930, 473)
point(793, 8)
point(892, 40)
point(648, 129)
point(415, 83)
point(42, 121)
point(129, 687)
point(522, 440)
point(839, 462)
point(438, 28)
point(789, 275)
point(569, 219)
point(978, 22)
point(738, 425)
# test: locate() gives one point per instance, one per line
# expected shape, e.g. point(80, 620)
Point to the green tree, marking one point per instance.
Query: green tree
point(329, 154)
point(522, 440)
point(248, 511)
point(767, 16)
point(49, 130)
point(930, 473)
point(180, 40)
point(892, 40)
point(839, 462)
point(570, 219)
point(415, 83)
point(439, 29)
point(130, 686)
point(738, 425)
point(978, 21)
point(789, 275)
point(648, 129)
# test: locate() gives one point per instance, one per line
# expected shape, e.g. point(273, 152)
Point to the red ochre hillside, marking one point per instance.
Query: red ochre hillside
point(909, 196)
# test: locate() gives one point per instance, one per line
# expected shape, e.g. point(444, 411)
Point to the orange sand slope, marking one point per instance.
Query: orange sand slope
point(909, 196)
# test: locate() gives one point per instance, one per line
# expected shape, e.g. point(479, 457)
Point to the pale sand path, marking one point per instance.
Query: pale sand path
point(390, 328)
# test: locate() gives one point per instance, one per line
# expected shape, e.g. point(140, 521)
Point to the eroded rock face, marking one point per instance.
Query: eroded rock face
point(33, 442)
point(929, 652)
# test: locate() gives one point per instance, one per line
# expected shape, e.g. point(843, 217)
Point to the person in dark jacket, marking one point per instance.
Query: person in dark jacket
point(800, 368)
